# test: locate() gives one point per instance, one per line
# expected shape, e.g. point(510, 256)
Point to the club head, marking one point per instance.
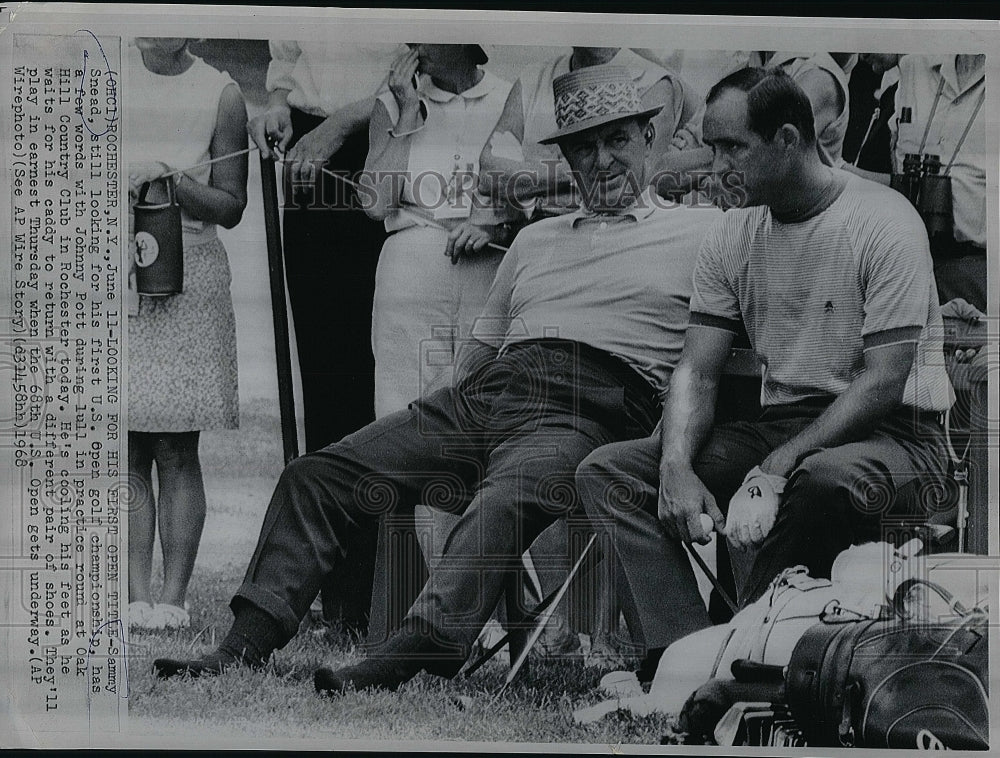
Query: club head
point(732, 727)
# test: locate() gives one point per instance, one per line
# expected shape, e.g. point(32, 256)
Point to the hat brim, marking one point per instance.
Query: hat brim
point(582, 126)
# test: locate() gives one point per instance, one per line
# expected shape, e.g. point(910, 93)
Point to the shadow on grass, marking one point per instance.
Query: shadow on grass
point(280, 700)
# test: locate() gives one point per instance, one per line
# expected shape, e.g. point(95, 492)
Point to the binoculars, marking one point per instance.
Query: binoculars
point(929, 191)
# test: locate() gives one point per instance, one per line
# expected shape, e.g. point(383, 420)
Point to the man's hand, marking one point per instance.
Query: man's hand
point(273, 124)
point(467, 239)
point(684, 499)
point(683, 139)
point(959, 308)
point(780, 463)
point(313, 150)
point(754, 507)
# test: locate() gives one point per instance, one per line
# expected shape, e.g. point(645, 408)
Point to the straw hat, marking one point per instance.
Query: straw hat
point(594, 96)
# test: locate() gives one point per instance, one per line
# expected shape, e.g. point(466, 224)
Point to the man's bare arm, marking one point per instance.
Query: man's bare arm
point(490, 329)
point(872, 396)
point(507, 180)
point(688, 414)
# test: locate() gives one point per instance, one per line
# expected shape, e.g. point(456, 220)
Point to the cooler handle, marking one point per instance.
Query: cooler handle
point(171, 198)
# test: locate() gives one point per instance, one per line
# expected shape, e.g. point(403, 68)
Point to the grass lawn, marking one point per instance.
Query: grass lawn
point(281, 701)
point(240, 469)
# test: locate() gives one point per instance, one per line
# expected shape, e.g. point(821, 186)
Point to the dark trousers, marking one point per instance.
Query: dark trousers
point(501, 449)
point(331, 252)
point(834, 498)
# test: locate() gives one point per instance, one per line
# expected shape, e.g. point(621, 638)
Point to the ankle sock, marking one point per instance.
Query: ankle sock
point(251, 640)
point(253, 636)
point(415, 647)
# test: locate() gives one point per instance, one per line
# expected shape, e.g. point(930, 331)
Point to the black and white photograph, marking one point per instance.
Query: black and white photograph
point(428, 380)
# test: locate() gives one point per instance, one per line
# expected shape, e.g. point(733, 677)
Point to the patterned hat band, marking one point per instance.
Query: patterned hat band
point(594, 96)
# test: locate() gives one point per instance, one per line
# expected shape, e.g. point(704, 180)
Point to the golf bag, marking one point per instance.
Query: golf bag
point(894, 683)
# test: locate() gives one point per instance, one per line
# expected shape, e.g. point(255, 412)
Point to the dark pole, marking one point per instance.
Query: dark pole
point(276, 272)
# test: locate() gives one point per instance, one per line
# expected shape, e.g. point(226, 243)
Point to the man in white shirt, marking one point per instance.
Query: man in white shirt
point(956, 133)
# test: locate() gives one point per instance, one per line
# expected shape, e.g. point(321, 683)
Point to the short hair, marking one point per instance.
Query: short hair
point(773, 100)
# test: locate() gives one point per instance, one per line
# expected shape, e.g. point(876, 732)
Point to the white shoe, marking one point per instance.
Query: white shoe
point(139, 612)
point(166, 616)
point(620, 684)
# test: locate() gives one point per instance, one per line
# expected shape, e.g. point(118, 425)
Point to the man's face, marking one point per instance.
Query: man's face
point(756, 162)
point(608, 163)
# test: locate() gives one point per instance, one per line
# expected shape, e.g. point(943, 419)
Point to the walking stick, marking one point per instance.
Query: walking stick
point(279, 312)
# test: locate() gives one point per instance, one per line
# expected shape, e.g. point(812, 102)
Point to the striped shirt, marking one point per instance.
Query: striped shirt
point(621, 284)
point(816, 291)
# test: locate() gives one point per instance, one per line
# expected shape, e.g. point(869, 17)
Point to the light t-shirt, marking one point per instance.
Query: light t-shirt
point(621, 284)
point(816, 292)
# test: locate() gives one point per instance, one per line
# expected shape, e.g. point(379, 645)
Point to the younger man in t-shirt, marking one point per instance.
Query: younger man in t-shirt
point(832, 277)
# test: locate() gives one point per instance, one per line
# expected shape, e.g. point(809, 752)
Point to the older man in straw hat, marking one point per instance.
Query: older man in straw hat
point(575, 348)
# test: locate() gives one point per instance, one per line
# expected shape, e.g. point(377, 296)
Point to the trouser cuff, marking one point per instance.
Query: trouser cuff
point(272, 605)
